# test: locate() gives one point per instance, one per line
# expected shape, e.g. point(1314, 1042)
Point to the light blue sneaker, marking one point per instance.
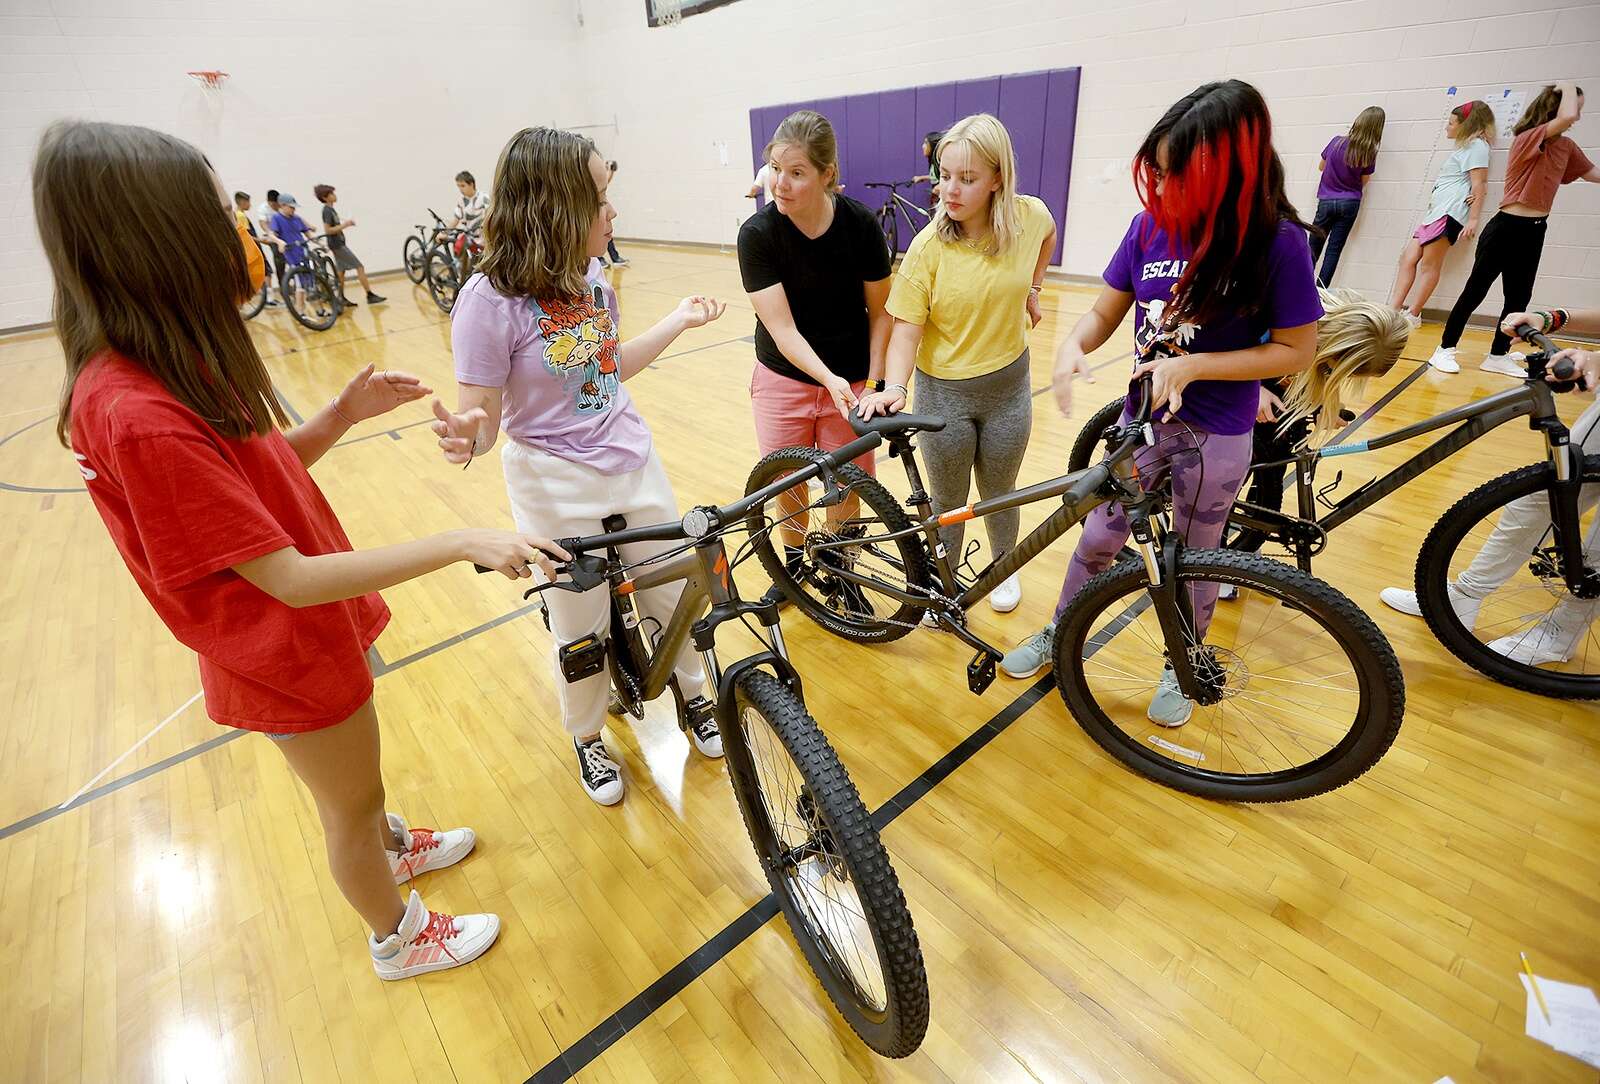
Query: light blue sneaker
point(1169, 707)
point(1032, 655)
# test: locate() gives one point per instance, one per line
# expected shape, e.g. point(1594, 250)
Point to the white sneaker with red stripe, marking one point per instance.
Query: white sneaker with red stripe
point(431, 941)
point(427, 849)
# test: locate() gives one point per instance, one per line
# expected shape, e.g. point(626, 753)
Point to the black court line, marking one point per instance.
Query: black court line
point(392, 434)
point(708, 346)
point(379, 668)
point(571, 1061)
point(567, 1064)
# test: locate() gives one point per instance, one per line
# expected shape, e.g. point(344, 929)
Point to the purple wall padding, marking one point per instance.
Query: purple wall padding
point(880, 134)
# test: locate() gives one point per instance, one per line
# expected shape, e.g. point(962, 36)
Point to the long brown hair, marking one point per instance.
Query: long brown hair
point(1542, 110)
point(1361, 146)
point(541, 208)
point(1476, 120)
point(147, 262)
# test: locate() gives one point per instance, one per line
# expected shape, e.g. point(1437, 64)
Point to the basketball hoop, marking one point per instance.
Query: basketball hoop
point(668, 12)
point(210, 80)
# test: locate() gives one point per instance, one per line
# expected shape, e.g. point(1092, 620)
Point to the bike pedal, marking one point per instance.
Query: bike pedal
point(980, 671)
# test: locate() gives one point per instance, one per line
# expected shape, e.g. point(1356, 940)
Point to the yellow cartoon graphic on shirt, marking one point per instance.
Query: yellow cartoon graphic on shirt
point(580, 339)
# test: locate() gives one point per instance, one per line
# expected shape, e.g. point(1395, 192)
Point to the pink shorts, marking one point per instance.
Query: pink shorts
point(1445, 227)
point(790, 413)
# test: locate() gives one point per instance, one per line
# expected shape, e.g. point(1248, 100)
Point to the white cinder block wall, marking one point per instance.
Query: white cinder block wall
point(677, 91)
point(386, 101)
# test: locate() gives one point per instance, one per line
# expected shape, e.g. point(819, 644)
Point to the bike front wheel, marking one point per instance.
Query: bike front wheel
point(804, 545)
point(311, 296)
point(827, 866)
point(1302, 692)
point(1511, 615)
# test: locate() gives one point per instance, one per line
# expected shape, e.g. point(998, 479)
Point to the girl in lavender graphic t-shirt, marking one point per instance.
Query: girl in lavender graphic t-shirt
point(537, 353)
point(1225, 299)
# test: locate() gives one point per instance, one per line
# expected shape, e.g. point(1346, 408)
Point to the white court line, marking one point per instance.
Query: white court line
point(31, 410)
point(132, 750)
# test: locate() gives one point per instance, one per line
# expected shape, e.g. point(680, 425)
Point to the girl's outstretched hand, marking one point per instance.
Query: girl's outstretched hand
point(699, 311)
point(372, 393)
point(457, 433)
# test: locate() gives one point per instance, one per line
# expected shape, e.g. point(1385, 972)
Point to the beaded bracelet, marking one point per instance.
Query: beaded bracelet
point(1558, 319)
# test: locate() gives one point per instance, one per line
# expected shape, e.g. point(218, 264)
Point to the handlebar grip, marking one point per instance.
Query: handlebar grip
point(1564, 369)
point(480, 569)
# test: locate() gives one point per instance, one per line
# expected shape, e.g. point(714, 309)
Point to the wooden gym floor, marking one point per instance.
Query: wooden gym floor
point(1079, 923)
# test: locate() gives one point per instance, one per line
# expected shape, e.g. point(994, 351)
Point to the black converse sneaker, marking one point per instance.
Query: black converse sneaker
point(701, 723)
point(601, 776)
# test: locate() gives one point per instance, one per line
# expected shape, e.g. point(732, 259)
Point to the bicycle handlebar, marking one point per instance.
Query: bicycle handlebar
point(1564, 369)
point(895, 184)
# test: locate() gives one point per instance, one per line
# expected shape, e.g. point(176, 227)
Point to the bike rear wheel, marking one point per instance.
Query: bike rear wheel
point(787, 544)
point(1307, 692)
point(827, 866)
point(891, 229)
point(415, 260)
point(1522, 628)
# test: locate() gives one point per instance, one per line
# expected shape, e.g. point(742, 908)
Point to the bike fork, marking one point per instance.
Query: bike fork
point(1582, 581)
point(1159, 548)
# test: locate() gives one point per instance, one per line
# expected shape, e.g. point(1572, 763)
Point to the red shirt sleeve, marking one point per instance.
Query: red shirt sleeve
point(1577, 165)
point(194, 511)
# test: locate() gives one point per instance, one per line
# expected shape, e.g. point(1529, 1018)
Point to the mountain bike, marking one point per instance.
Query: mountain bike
point(916, 217)
point(415, 250)
point(310, 285)
point(813, 836)
point(1294, 690)
point(1557, 574)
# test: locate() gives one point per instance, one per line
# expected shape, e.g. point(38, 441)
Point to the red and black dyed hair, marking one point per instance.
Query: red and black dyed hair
point(1222, 196)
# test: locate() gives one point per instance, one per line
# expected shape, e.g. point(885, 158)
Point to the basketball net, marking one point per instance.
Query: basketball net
point(668, 12)
point(210, 81)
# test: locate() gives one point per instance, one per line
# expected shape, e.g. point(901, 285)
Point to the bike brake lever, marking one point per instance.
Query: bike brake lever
point(586, 571)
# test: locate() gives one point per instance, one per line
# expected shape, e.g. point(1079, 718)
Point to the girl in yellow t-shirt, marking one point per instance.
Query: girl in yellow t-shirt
point(965, 299)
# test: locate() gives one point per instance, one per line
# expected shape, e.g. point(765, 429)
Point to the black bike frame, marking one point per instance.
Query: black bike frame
point(1306, 534)
point(1115, 478)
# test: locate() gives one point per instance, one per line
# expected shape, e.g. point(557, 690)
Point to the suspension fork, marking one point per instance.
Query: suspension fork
point(1160, 548)
point(1582, 581)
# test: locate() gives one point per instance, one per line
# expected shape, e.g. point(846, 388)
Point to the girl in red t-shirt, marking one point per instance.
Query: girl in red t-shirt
point(174, 423)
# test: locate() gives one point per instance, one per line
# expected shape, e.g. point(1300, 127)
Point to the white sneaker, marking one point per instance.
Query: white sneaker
point(429, 849)
point(1006, 597)
point(600, 775)
point(1444, 359)
point(1542, 643)
point(1412, 319)
point(1506, 364)
point(1466, 607)
point(431, 941)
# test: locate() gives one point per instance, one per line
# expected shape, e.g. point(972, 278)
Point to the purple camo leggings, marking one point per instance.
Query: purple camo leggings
point(1204, 484)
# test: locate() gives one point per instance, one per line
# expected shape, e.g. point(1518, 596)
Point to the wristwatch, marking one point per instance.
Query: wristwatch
point(875, 385)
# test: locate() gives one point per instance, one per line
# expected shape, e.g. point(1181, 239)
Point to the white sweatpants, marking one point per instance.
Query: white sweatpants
point(556, 498)
point(1522, 526)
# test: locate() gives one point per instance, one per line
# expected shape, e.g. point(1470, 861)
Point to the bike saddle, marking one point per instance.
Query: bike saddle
point(888, 424)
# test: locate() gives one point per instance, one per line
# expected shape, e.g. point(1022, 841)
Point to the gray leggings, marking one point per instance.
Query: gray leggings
point(987, 422)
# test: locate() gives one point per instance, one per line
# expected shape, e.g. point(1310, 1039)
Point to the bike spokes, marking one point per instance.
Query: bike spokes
point(810, 859)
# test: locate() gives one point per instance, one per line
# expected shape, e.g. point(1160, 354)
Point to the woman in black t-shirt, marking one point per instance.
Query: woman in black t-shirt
point(817, 272)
